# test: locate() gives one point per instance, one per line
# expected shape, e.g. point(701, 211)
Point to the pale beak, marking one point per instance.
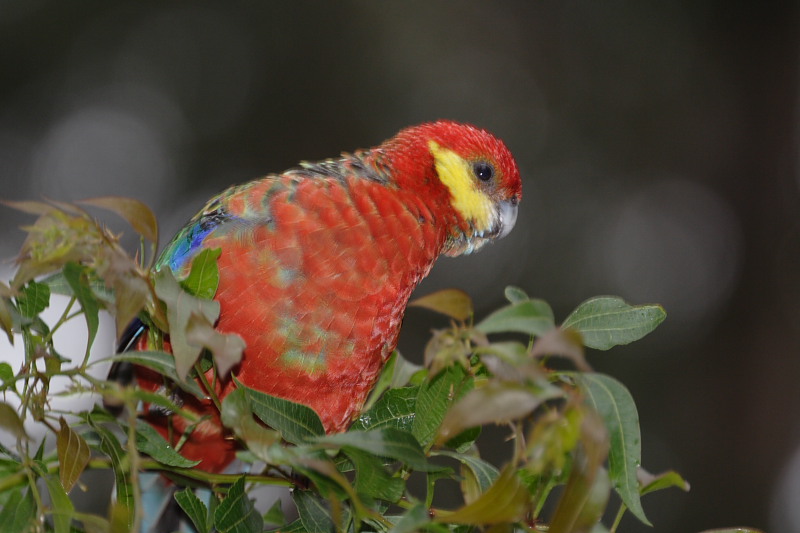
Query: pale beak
point(508, 217)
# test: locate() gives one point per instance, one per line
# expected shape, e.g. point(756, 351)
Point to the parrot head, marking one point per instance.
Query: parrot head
point(471, 171)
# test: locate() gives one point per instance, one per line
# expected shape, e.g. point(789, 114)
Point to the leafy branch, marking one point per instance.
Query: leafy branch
point(574, 429)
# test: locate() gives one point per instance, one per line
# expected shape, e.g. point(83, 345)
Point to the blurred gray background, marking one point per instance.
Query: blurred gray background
point(658, 144)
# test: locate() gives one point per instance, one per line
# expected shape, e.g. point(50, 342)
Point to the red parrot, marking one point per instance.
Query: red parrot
point(317, 265)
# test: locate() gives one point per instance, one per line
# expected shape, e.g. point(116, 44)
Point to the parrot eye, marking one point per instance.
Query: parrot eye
point(483, 170)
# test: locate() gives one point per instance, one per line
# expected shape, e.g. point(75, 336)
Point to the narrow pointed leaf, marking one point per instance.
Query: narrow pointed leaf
point(275, 514)
point(236, 513)
point(6, 318)
point(19, 512)
point(505, 501)
point(434, 399)
point(413, 521)
point(313, 512)
point(237, 415)
point(533, 317)
point(136, 213)
point(74, 274)
point(150, 442)
point(608, 321)
point(582, 503)
point(454, 303)
point(73, 455)
point(372, 479)
point(161, 362)
point(615, 405)
point(296, 422)
point(195, 509)
point(31, 207)
point(123, 507)
point(665, 480)
point(11, 422)
point(386, 442)
point(494, 403)
point(62, 508)
point(483, 473)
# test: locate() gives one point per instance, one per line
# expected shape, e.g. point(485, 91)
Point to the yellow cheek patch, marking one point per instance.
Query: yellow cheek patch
point(455, 173)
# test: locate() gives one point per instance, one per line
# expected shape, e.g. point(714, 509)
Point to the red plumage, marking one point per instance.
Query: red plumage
point(318, 264)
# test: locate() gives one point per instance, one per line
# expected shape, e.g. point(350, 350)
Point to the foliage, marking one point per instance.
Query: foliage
point(574, 429)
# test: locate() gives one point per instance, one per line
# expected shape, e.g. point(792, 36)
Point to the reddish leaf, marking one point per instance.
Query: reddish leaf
point(73, 455)
point(226, 349)
point(136, 213)
point(454, 303)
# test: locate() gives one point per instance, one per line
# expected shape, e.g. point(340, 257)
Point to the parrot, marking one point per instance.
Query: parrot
point(317, 265)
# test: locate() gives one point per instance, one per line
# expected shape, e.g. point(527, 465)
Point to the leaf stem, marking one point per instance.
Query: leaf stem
point(618, 518)
point(65, 316)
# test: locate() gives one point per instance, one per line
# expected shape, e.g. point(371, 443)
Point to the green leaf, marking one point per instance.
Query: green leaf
point(135, 213)
point(11, 422)
point(662, 481)
point(58, 285)
point(167, 403)
point(607, 321)
point(494, 403)
point(120, 518)
point(195, 509)
point(180, 307)
point(236, 513)
point(297, 423)
point(396, 373)
point(413, 520)
point(533, 317)
point(19, 512)
point(161, 362)
point(237, 415)
point(275, 514)
point(62, 508)
point(295, 527)
point(123, 508)
point(464, 440)
point(6, 373)
point(609, 398)
point(33, 299)
point(150, 442)
point(386, 442)
point(515, 294)
point(6, 317)
point(434, 399)
point(203, 277)
point(454, 303)
point(78, 282)
point(372, 479)
point(483, 473)
point(313, 512)
point(582, 503)
point(394, 409)
point(505, 501)
point(73, 455)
